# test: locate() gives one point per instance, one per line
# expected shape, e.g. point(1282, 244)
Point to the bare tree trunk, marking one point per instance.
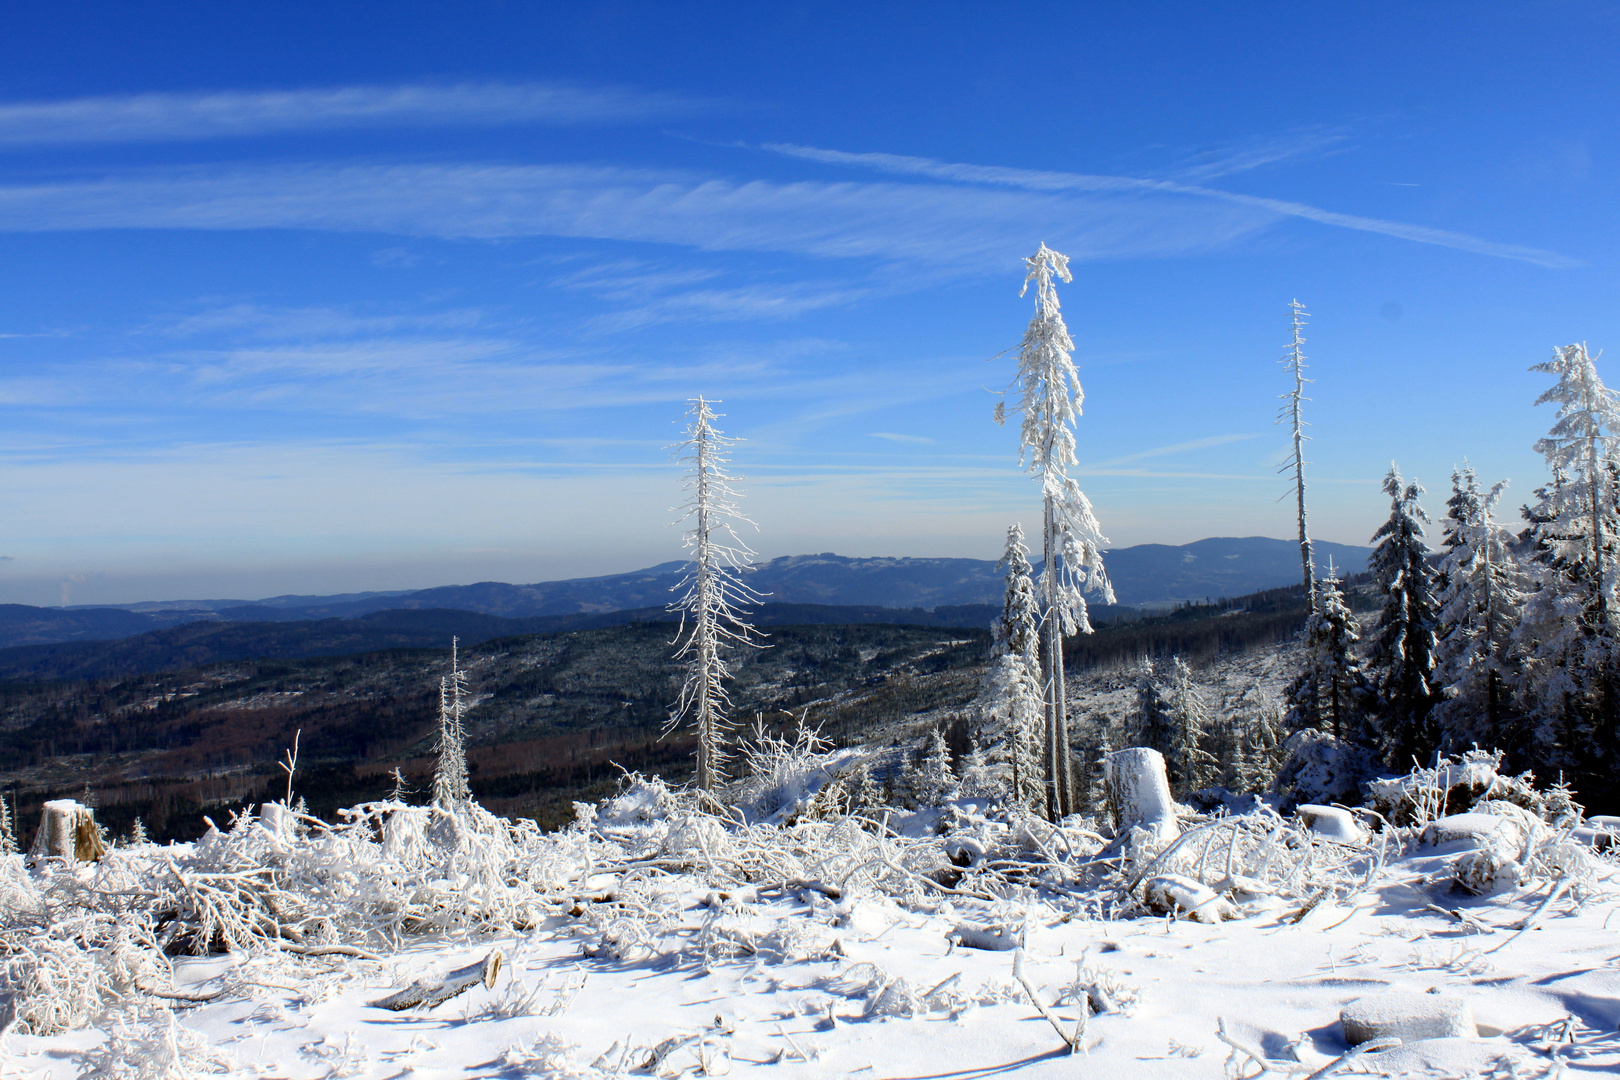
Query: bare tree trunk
point(1060, 708)
point(1296, 363)
point(1059, 775)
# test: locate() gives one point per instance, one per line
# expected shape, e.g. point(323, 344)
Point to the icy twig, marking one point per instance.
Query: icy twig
point(1372, 1046)
point(1535, 916)
point(1071, 1041)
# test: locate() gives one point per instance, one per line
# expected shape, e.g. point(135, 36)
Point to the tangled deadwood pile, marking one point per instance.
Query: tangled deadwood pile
point(294, 897)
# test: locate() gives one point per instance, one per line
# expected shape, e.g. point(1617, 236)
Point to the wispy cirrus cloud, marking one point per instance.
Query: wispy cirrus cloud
point(183, 117)
point(1181, 447)
point(1211, 162)
point(931, 226)
point(260, 321)
point(1049, 181)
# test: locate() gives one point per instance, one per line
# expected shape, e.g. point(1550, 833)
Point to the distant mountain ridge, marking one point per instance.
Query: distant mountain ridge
point(1144, 575)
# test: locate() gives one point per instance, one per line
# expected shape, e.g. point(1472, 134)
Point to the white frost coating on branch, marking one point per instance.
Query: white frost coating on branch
point(711, 591)
point(1050, 397)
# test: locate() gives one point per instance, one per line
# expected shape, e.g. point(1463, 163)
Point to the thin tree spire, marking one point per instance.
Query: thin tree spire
point(450, 788)
point(1292, 414)
point(711, 591)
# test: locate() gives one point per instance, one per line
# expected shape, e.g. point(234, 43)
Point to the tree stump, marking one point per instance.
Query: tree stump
point(68, 830)
point(1139, 790)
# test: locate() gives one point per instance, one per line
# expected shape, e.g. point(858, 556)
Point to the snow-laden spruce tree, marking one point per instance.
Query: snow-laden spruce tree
point(1262, 745)
point(1330, 692)
point(1049, 397)
point(1401, 663)
point(450, 789)
point(1151, 726)
point(1011, 697)
point(934, 781)
point(1568, 630)
point(8, 829)
point(1190, 766)
point(712, 591)
point(1481, 601)
point(1291, 414)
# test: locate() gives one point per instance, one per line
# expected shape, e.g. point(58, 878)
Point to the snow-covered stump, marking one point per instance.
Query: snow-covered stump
point(1139, 789)
point(277, 820)
point(68, 830)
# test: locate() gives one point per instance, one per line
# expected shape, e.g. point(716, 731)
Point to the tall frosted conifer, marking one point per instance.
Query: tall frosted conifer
point(1294, 361)
point(1402, 661)
point(1011, 697)
point(450, 788)
point(1481, 600)
point(1569, 625)
point(711, 591)
point(1049, 397)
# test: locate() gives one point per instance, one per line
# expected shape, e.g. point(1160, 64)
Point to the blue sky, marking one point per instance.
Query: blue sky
point(317, 298)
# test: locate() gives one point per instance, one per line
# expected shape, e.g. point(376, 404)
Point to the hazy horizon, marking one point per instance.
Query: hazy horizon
point(300, 305)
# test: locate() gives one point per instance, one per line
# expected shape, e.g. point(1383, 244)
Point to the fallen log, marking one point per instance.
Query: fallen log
point(430, 992)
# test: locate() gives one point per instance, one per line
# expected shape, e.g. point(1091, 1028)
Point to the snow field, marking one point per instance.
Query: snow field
point(874, 988)
point(663, 934)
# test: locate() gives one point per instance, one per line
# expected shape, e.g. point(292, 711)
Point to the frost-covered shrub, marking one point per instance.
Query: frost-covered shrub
point(788, 777)
point(1318, 768)
point(1453, 786)
point(152, 1045)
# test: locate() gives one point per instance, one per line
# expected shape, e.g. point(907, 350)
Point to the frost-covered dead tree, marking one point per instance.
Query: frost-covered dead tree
point(1569, 625)
point(450, 789)
point(1294, 361)
point(1402, 659)
point(712, 590)
point(1481, 602)
point(1049, 397)
point(1011, 697)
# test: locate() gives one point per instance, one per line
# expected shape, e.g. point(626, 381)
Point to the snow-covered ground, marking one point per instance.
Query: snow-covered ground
point(662, 942)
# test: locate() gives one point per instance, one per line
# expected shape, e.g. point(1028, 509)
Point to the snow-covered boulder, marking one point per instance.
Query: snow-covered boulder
point(1171, 893)
point(1490, 844)
point(1459, 832)
point(1407, 1017)
point(1332, 823)
point(1001, 937)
